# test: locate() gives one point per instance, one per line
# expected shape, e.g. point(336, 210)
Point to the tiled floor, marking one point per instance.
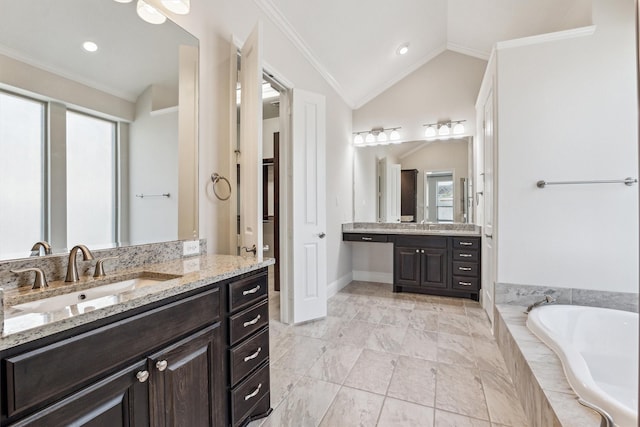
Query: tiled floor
point(385, 359)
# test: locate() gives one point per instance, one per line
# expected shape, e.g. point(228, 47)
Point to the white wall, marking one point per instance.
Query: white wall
point(153, 149)
point(568, 111)
point(213, 22)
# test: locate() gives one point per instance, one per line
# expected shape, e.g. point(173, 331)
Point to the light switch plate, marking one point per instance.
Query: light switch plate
point(191, 247)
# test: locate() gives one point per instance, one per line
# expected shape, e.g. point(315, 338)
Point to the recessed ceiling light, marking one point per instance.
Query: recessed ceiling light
point(89, 46)
point(403, 49)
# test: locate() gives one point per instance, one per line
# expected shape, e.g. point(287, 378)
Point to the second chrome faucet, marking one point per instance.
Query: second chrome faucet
point(72, 267)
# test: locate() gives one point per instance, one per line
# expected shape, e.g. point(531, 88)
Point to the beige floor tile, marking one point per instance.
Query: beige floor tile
point(456, 350)
point(449, 419)
point(460, 390)
point(353, 407)
point(302, 355)
point(452, 323)
point(305, 406)
point(479, 328)
point(354, 333)
point(372, 372)
point(344, 309)
point(414, 380)
point(488, 356)
point(395, 316)
point(424, 319)
point(502, 401)
point(326, 328)
point(335, 364)
point(421, 344)
point(370, 313)
point(399, 413)
point(282, 382)
point(386, 338)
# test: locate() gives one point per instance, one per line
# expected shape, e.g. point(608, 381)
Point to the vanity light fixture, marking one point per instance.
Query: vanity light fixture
point(179, 7)
point(123, 1)
point(149, 13)
point(376, 136)
point(443, 130)
point(89, 46)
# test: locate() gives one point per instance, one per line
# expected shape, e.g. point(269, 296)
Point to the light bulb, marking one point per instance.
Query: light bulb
point(403, 49)
point(382, 137)
point(180, 7)
point(358, 140)
point(89, 46)
point(444, 130)
point(458, 129)
point(430, 132)
point(149, 13)
point(370, 139)
point(123, 1)
point(395, 135)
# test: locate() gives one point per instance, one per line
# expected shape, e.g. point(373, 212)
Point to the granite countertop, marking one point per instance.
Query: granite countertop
point(176, 276)
point(412, 229)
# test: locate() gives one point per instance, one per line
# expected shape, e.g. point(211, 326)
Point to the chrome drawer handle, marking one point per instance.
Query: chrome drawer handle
point(254, 355)
point(251, 291)
point(253, 393)
point(251, 322)
point(466, 243)
point(142, 376)
point(464, 283)
point(367, 238)
point(465, 255)
point(464, 268)
point(161, 365)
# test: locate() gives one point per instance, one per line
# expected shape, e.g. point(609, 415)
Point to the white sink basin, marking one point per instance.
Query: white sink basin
point(90, 299)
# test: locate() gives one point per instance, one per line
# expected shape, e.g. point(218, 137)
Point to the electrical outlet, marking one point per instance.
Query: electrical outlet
point(191, 247)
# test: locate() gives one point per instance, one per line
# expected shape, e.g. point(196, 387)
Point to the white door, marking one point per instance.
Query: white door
point(309, 247)
point(488, 249)
point(393, 193)
point(251, 143)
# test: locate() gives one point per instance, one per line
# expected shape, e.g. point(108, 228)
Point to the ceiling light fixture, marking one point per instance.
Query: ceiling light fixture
point(443, 130)
point(376, 136)
point(89, 46)
point(403, 49)
point(179, 7)
point(149, 13)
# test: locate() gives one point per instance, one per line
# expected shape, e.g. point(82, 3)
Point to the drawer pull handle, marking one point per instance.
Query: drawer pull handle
point(142, 376)
point(464, 268)
point(254, 355)
point(367, 238)
point(251, 291)
point(466, 243)
point(253, 393)
point(161, 365)
point(465, 255)
point(251, 322)
point(464, 283)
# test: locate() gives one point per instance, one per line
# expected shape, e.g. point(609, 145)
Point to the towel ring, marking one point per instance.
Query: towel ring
point(215, 178)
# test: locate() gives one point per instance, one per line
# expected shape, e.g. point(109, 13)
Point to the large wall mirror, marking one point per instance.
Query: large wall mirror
point(96, 147)
point(414, 182)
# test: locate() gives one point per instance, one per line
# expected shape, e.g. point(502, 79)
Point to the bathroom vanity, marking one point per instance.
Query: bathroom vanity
point(189, 351)
point(433, 259)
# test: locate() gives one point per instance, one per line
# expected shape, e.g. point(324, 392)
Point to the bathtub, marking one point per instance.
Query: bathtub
point(598, 348)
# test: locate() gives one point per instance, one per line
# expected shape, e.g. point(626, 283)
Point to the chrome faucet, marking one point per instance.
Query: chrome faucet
point(548, 299)
point(35, 250)
point(72, 268)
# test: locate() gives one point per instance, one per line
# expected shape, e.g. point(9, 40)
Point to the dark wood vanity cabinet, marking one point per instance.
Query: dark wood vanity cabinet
point(170, 363)
point(448, 266)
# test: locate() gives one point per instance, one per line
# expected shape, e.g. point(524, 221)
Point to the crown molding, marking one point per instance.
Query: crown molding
point(274, 14)
point(549, 37)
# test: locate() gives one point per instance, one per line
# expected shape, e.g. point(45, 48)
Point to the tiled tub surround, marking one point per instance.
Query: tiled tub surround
point(524, 295)
point(192, 273)
point(385, 359)
point(411, 228)
point(537, 373)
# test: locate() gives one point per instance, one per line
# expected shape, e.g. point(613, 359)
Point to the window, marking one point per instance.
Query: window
point(22, 197)
point(91, 181)
point(439, 192)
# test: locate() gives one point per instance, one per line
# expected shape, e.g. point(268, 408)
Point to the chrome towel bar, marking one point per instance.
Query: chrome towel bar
point(627, 181)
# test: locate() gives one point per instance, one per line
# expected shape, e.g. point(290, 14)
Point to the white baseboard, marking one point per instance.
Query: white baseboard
point(373, 276)
point(336, 286)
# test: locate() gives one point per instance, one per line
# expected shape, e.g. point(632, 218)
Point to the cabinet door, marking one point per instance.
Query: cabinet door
point(118, 400)
point(434, 268)
point(186, 382)
point(407, 266)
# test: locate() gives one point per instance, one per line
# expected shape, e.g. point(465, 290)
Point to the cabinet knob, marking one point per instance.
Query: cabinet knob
point(142, 376)
point(161, 365)
point(417, 251)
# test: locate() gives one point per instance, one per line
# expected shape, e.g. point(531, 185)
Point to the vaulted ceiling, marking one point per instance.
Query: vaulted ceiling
point(354, 43)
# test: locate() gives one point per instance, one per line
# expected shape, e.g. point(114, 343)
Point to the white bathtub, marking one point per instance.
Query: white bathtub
point(598, 348)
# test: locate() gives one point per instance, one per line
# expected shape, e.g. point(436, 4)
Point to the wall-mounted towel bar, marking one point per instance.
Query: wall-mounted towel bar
point(627, 181)
point(142, 196)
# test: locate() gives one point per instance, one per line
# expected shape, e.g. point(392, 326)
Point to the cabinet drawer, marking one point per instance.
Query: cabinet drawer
point(469, 284)
point(58, 369)
point(245, 292)
point(466, 243)
point(422, 241)
point(248, 394)
point(465, 255)
point(248, 321)
point(465, 269)
point(360, 237)
point(245, 357)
